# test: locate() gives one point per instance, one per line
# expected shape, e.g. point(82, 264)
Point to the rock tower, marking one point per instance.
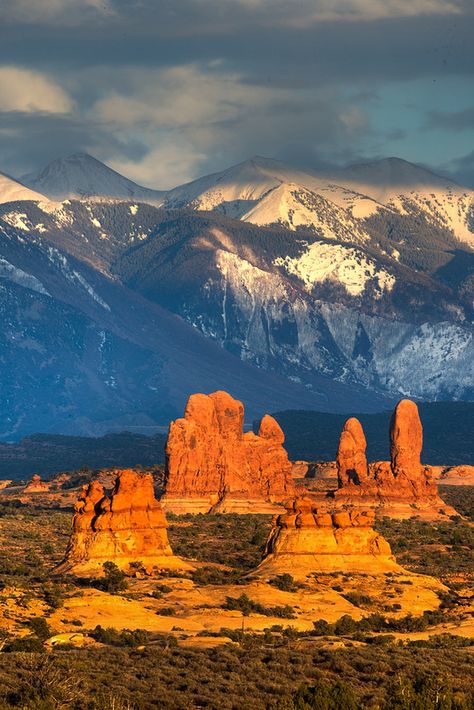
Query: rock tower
point(211, 464)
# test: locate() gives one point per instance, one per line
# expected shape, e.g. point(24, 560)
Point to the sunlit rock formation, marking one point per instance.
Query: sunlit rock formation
point(211, 464)
point(402, 487)
point(126, 527)
point(306, 539)
point(36, 485)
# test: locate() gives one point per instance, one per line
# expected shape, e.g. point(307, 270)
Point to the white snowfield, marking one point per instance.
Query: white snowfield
point(21, 278)
point(11, 191)
point(265, 192)
point(414, 360)
point(339, 264)
point(82, 176)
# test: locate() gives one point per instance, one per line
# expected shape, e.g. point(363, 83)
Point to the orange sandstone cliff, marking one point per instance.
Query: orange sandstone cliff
point(211, 464)
point(306, 539)
point(402, 487)
point(127, 526)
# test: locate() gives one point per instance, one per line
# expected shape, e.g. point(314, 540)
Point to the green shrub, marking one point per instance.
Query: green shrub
point(112, 637)
point(26, 644)
point(247, 606)
point(321, 696)
point(39, 627)
point(113, 581)
point(284, 582)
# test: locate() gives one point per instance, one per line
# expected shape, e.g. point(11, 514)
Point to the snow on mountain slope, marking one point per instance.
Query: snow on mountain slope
point(80, 352)
point(342, 265)
point(264, 191)
point(294, 207)
point(306, 306)
point(12, 191)
point(408, 188)
point(452, 208)
point(82, 176)
point(430, 360)
point(390, 175)
point(20, 277)
point(91, 231)
point(273, 326)
point(236, 190)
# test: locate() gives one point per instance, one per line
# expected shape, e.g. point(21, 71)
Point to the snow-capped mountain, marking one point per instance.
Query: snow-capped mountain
point(11, 190)
point(80, 352)
point(345, 290)
point(264, 191)
point(300, 306)
point(82, 176)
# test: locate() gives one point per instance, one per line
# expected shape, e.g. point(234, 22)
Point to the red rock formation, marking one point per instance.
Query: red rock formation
point(455, 475)
point(406, 441)
point(306, 539)
point(299, 469)
point(36, 485)
point(402, 487)
point(322, 471)
point(212, 464)
point(129, 526)
point(351, 459)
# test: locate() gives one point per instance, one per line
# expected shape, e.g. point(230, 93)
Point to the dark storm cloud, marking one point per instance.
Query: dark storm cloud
point(170, 88)
point(454, 121)
point(462, 169)
point(385, 48)
point(33, 140)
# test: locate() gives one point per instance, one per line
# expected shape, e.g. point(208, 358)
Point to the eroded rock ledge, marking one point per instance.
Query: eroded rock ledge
point(306, 539)
point(127, 526)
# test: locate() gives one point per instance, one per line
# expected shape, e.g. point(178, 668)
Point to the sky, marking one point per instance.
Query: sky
point(167, 90)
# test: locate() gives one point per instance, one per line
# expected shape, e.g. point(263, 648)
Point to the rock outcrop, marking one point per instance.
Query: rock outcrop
point(455, 475)
point(127, 526)
point(402, 487)
point(36, 485)
point(211, 464)
point(299, 469)
point(306, 539)
point(351, 459)
point(322, 471)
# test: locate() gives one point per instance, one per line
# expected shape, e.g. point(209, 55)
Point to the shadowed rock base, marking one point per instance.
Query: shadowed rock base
point(127, 527)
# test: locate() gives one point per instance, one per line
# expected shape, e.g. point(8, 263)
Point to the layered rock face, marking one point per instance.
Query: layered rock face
point(307, 539)
point(401, 487)
point(127, 526)
point(212, 465)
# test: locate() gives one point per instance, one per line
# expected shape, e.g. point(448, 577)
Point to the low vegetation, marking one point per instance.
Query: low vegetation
point(331, 666)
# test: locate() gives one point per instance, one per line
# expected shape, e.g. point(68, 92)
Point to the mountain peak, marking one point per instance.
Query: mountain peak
point(79, 157)
point(80, 175)
point(12, 190)
point(394, 172)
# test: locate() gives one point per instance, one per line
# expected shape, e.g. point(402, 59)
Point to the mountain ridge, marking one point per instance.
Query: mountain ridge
point(329, 295)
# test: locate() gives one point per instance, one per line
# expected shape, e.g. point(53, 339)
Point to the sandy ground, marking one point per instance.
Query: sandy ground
point(199, 609)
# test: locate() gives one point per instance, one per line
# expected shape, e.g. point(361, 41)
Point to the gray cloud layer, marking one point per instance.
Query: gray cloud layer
point(167, 89)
